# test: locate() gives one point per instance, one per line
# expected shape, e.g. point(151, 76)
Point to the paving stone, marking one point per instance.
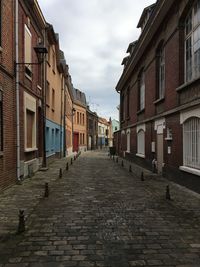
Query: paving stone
point(99, 215)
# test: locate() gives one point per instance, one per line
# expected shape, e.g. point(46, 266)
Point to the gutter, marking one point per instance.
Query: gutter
point(17, 86)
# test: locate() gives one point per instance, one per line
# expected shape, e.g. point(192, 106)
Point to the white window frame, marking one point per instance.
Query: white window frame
point(142, 91)
point(128, 136)
point(192, 69)
point(161, 73)
point(191, 143)
point(29, 104)
point(141, 149)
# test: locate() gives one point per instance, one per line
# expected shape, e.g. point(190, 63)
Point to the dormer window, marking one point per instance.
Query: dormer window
point(145, 16)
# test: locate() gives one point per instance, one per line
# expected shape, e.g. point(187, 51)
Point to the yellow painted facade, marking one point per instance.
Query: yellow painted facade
point(68, 119)
point(80, 124)
point(54, 88)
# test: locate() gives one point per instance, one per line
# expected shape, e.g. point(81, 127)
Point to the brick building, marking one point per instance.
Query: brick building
point(160, 92)
point(7, 96)
point(92, 129)
point(30, 32)
point(79, 121)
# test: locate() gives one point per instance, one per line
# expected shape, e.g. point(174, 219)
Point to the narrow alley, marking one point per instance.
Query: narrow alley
point(99, 214)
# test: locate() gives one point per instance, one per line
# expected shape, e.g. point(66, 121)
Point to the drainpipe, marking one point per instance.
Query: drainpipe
point(64, 122)
point(17, 86)
point(44, 76)
point(61, 119)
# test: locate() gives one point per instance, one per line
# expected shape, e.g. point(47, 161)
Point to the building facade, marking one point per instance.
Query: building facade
point(30, 29)
point(92, 130)
point(159, 92)
point(79, 121)
point(7, 96)
point(105, 138)
point(69, 114)
point(55, 91)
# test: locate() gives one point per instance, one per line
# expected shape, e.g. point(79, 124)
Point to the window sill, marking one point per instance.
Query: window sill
point(140, 111)
point(1, 49)
point(27, 150)
point(1, 154)
point(128, 152)
point(190, 170)
point(140, 155)
point(168, 139)
point(28, 77)
point(187, 84)
point(158, 101)
point(39, 87)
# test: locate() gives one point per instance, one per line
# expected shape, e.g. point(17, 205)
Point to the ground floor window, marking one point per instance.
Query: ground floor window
point(141, 143)
point(30, 129)
point(191, 143)
point(128, 136)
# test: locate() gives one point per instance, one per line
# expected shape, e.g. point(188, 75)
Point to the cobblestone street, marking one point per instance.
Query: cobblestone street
point(99, 214)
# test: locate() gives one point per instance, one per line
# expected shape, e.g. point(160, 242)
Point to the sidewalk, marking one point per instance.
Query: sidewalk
point(27, 196)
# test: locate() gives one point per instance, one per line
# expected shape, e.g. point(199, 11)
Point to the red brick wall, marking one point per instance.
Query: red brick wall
point(8, 158)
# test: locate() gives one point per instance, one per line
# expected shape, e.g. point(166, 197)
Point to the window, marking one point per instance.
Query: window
point(141, 91)
point(83, 139)
point(127, 100)
point(141, 143)
point(30, 122)
point(160, 72)
point(27, 50)
point(77, 117)
point(1, 120)
point(47, 94)
point(53, 99)
point(192, 43)
point(191, 143)
point(52, 139)
point(122, 108)
point(83, 119)
point(128, 136)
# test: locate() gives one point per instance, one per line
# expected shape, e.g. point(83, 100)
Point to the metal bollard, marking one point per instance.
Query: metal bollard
point(110, 156)
point(46, 190)
point(60, 173)
point(117, 159)
point(168, 197)
point(142, 176)
point(71, 161)
point(21, 225)
point(130, 168)
point(122, 163)
point(67, 166)
point(74, 158)
point(113, 157)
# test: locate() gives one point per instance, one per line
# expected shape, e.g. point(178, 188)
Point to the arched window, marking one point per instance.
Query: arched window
point(192, 43)
point(141, 98)
point(160, 71)
point(141, 143)
point(128, 136)
point(191, 143)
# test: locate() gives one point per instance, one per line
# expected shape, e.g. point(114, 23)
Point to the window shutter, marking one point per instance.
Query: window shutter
point(28, 47)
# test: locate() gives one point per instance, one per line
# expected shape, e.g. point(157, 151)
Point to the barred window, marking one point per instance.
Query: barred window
point(191, 143)
point(192, 43)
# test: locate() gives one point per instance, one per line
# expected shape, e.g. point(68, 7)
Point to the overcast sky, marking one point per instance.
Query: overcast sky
point(94, 35)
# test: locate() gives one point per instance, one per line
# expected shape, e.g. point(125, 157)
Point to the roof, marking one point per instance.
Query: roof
point(145, 13)
point(125, 59)
point(103, 120)
point(79, 97)
point(131, 46)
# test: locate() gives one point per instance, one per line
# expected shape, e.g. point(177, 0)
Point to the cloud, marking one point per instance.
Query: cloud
point(94, 36)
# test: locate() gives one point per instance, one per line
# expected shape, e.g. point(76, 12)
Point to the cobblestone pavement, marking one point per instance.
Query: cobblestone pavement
point(99, 214)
